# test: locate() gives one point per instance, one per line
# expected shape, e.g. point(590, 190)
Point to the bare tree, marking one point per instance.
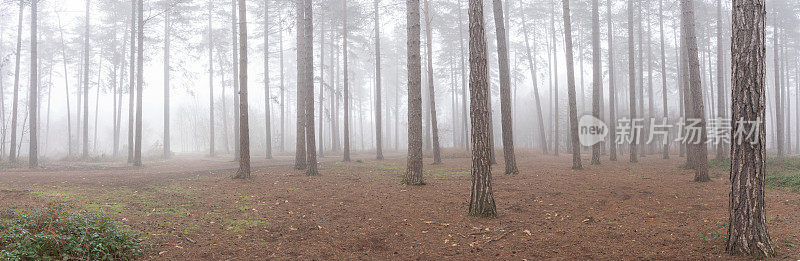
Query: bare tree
point(131, 91)
point(244, 127)
point(573, 108)
point(556, 134)
point(305, 54)
point(663, 72)
point(378, 125)
point(167, 32)
point(632, 81)
point(722, 148)
point(346, 145)
point(267, 111)
point(236, 82)
point(12, 155)
point(86, 67)
point(700, 153)
point(211, 138)
point(597, 74)
point(505, 90)
point(612, 92)
point(778, 90)
point(413, 175)
point(532, 65)
point(481, 201)
point(137, 157)
point(747, 225)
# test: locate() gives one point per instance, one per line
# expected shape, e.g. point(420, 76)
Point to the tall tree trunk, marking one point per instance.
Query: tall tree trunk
point(97, 101)
point(573, 108)
point(640, 73)
point(663, 76)
point(66, 94)
point(300, 134)
point(533, 67)
point(721, 146)
point(437, 152)
point(612, 92)
point(464, 117)
point(236, 82)
point(690, 43)
point(137, 157)
point(3, 103)
point(597, 75)
point(211, 126)
point(346, 109)
point(651, 114)
point(505, 90)
point(283, 90)
point(244, 127)
point(413, 175)
point(378, 122)
point(33, 151)
point(12, 155)
point(747, 225)
point(267, 105)
point(305, 52)
point(131, 91)
point(321, 139)
point(778, 91)
point(86, 67)
point(556, 134)
point(632, 83)
point(481, 198)
point(167, 150)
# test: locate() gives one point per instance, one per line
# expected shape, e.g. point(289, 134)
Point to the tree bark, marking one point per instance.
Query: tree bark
point(573, 108)
point(663, 76)
point(481, 198)
point(413, 175)
point(612, 92)
point(690, 43)
point(236, 82)
point(722, 147)
point(305, 49)
point(346, 109)
point(747, 225)
point(505, 90)
point(244, 124)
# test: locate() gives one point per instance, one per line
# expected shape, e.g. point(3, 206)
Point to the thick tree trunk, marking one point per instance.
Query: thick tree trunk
point(573, 108)
point(505, 90)
point(690, 43)
point(305, 49)
point(300, 130)
point(346, 98)
point(413, 175)
point(747, 226)
point(482, 198)
point(612, 92)
point(12, 155)
point(244, 127)
point(632, 83)
point(437, 152)
point(33, 151)
point(597, 75)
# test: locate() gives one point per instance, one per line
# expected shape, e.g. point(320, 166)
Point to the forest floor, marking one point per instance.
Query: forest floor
point(189, 208)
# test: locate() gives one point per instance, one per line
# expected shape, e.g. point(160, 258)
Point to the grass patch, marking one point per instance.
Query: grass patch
point(781, 172)
point(52, 233)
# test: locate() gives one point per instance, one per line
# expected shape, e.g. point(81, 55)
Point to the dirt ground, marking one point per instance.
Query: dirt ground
point(189, 208)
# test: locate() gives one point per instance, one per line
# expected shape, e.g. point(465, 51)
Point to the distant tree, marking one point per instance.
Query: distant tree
point(413, 174)
point(131, 90)
point(663, 72)
point(556, 110)
point(778, 90)
point(244, 128)
point(597, 74)
point(573, 108)
point(346, 145)
point(632, 81)
point(236, 76)
point(267, 110)
point(722, 147)
point(378, 126)
point(137, 157)
point(12, 155)
point(437, 151)
point(86, 62)
point(481, 201)
point(211, 125)
point(532, 65)
point(505, 90)
point(747, 225)
point(33, 152)
point(612, 96)
point(700, 153)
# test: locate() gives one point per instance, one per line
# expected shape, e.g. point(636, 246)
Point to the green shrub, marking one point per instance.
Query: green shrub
point(54, 234)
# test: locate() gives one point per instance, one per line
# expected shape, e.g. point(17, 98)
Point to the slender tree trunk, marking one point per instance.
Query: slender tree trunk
point(346, 109)
point(244, 124)
point(597, 75)
point(236, 82)
point(137, 158)
point(721, 147)
point(690, 43)
point(33, 151)
point(2, 97)
point(413, 175)
point(86, 67)
point(505, 90)
point(556, 134)
point(747, 226)
point(131, 91)
point(300, 134)
point(663, 76)
point(283, 91)
point(321, 139)
point(778, 92)
point(632, 83)
point(612, 92)
point(12, 155)
point(573, 108)
point(211, 126)
point(167, 150)
point(66, 94)
point(533, 67)
point(461, 52)
point(378, 122)
point(267, 110)
point(437, 152)
point(481, 198)
point(97, 101)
